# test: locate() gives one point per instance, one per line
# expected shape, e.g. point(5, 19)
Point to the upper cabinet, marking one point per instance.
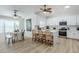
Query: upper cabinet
point(71, 20)
point(77, 21)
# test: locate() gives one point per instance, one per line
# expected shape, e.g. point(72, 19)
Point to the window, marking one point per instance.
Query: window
point(1, 26)
point(28, 25)
point(8, 26)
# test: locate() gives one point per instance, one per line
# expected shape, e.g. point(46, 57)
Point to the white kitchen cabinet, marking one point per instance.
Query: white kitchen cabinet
point(77, 21)
point(71, 20)
point(74, 34)
point(70, 34)
point(77, 34)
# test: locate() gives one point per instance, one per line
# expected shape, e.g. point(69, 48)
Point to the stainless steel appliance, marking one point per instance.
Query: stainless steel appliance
point(63, 29)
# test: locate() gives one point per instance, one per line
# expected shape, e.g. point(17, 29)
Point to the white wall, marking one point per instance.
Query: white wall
point(41, 21)
point(21, 24)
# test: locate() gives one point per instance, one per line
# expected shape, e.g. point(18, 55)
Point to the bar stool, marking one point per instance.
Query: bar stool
point(37, 36)
point(40, 36)
point(43, 37)
point(33, 35)
point(49, 38)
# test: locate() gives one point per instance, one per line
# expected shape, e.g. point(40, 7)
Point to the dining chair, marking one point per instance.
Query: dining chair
point(23, 34)
point(9, 37)
point(14, 37)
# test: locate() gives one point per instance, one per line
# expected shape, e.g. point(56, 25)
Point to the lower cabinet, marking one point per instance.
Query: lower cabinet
point(73, 34)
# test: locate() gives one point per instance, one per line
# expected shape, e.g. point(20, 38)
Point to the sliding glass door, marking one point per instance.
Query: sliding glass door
point(1, 27)
point(8, 26)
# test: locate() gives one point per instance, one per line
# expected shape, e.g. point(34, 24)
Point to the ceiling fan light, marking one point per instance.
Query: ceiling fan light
point(67, 6)
point(44, 12)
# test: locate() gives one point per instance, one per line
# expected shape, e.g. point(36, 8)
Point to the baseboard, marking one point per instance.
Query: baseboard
point(72, 38)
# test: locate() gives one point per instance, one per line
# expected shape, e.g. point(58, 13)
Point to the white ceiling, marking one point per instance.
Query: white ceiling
point(24, 10)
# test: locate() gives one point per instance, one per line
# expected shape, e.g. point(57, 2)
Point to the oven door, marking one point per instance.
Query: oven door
point(62, 33)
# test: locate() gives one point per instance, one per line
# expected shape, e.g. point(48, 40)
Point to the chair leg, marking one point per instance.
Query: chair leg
point(33, 39)
point(51, 43)
point(42, 41)
point(13, 40)
point(22, 37)
point(8, 40)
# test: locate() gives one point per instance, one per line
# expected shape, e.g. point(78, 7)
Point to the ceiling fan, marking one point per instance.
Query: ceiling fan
point(46, 9)
point(15, 14)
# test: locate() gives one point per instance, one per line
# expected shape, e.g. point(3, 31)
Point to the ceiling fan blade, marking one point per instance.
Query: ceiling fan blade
point(49, 11)
point(46, 9)
point(49, 8)
point(43, 9)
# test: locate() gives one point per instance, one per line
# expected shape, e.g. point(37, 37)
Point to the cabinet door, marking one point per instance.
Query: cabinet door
point(62, 19)
point(71, 20)
point(71, 34)
point(77, 21)
point(77, 35)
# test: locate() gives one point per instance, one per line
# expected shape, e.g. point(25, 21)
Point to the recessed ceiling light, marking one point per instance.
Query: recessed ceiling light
point(67, 7)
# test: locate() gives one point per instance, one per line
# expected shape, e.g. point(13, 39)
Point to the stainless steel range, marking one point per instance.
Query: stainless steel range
point(63, 29)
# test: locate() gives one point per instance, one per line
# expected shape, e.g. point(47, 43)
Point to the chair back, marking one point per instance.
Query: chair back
point(40, 34)
point(33, 33)
point(49, 36)
point(8, 35)
point(23, 33)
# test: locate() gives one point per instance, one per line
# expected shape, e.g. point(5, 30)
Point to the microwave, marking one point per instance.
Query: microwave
point(63, 23)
